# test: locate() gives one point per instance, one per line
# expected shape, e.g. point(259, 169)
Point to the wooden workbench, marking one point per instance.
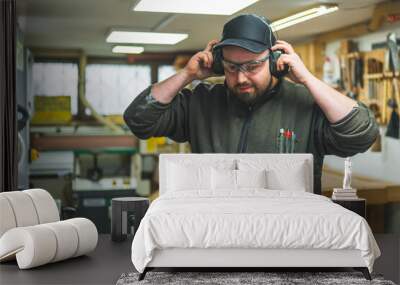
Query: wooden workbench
point(383, 198)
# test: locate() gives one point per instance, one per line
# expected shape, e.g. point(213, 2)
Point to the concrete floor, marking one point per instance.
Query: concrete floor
point(389, 262)
point(106, 264)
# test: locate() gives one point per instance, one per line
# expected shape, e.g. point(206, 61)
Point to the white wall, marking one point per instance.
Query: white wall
point(383, 165)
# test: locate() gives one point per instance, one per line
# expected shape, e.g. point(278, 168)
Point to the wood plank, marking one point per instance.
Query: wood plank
point(66, 142)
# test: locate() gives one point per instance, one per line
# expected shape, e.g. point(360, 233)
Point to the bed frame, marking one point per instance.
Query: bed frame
point(242, 259)
point(246, 258)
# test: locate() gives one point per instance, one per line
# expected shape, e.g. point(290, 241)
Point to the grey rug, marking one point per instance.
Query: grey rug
point(243, 278)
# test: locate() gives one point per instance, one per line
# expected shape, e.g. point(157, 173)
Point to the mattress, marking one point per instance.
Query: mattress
point(250, 219)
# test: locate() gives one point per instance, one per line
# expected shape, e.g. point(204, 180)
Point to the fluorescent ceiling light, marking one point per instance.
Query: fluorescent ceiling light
point(302, 17)
point(211, 7)
point(144, 38)
point(127, 49)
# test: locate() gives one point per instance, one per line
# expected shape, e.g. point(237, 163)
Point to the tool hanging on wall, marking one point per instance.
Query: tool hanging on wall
point(343, 73)
point(386, 91)
point(377, 145)
point(393, 129)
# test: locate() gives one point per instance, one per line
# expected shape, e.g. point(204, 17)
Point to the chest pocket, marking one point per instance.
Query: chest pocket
point(263, 129)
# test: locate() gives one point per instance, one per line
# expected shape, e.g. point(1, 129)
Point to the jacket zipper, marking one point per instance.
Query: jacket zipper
point(244, 132)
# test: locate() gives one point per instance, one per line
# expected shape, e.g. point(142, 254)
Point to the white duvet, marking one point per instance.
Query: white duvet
point(253, 218)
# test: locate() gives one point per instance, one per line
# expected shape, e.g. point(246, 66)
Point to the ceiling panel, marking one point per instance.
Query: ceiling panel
point(85, 23)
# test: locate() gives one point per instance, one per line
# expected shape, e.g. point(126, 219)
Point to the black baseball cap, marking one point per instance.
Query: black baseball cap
point(247, 31)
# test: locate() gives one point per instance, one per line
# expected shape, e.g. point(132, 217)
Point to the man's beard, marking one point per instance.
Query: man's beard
point(246, 97)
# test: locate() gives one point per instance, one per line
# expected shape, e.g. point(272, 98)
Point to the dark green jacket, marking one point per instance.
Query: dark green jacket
point(214, 121)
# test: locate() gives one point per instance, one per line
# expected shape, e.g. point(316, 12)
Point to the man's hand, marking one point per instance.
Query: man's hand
point(298, 72)
point(199, 66)
point(333, 104)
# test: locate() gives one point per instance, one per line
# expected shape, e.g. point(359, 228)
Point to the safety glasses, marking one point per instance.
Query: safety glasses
point(250, 67)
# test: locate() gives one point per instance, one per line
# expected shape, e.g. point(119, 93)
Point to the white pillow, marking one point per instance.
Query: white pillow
point(228, 179)
point(282, 174)
point(204, 161)
point(293, 180)
point(223, 179)
point(182, 177)
point(251, 178)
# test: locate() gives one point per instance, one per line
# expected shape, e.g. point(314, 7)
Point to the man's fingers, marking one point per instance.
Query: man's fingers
point(286, 44)
point(210, 59)
point(281, 65)
point(282, 60)
point(204, 58)
point(283, 46)
point(210, 45)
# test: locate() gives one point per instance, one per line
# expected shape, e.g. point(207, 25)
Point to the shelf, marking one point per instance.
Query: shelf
point(107, 150)
point(354, 55)
point(69, 142)
point(380, 75)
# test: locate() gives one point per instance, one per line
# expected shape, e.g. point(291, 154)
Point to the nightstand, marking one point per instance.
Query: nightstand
point(358, 206)
point(127, 212)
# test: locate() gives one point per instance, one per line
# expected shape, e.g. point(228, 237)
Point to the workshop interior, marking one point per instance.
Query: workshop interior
point(69, 69)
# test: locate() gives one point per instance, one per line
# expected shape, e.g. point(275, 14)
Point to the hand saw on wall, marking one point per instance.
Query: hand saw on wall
point(393, 129)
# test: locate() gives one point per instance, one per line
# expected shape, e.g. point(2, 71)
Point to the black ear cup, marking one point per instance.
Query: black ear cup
point(217, 66)
point(273, 67)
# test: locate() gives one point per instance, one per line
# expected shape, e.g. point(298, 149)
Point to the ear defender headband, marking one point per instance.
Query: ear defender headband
point(252, 33)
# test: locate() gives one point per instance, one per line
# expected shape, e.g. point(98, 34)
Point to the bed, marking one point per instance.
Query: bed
point(246, 211)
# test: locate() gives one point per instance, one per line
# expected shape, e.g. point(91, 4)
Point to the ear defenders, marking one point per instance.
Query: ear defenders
point(273, 67)
point(218, 68)
point(256, 31)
